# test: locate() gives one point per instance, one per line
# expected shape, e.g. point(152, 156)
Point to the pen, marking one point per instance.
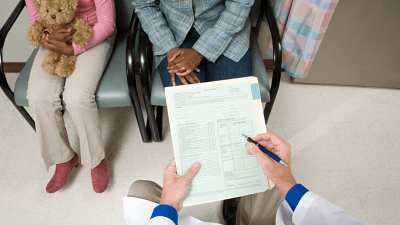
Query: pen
point(266, 151)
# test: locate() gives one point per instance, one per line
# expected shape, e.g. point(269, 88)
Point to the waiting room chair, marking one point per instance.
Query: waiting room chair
point(117, 87)
point(154, 95)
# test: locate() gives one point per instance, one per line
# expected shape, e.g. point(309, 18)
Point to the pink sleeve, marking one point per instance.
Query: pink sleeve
point(104, 27)
point(33, 14)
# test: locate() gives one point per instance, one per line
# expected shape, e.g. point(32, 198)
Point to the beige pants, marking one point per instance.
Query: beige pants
point(77, 91)
point(256, 209)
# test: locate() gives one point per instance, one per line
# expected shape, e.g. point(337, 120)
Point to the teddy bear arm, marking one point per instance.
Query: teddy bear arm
point(35, 32)
point(82, 32)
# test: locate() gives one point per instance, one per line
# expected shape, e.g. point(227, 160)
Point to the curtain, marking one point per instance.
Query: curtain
point(302, 25)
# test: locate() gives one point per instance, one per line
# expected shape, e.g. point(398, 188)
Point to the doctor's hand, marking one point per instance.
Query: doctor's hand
point(279, 174)
point(175, 187)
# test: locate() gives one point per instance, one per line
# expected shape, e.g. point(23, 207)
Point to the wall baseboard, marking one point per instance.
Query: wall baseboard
point(16, 67)
point(13, 67)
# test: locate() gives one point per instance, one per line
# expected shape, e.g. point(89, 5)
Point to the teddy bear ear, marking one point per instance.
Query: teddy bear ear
point(73, 4)
point(36, 3)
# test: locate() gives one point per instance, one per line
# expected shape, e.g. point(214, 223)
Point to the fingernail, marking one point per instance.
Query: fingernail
point(196, 165)
point(69, 29)
point(47, 38)
point(248, 145)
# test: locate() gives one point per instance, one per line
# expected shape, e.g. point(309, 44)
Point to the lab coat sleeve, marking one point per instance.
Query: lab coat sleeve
point(313, 209)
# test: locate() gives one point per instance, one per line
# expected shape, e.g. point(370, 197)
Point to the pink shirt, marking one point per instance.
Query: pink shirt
point(98, 14)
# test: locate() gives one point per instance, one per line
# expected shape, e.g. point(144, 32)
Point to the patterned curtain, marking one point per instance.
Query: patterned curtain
point(302, 25)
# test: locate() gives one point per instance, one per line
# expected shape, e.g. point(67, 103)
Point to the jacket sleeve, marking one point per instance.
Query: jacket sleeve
point(215, 40)
point(160, 221)
point(105, 12)
point(313, 209)
point(155, 25)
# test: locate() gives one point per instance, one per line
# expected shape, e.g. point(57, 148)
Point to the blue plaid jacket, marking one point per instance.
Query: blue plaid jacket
point(223, 25)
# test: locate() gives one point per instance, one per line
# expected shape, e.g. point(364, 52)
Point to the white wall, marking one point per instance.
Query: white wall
point(18, 49)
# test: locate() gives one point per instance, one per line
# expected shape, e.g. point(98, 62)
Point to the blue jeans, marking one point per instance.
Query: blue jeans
point(224, 68)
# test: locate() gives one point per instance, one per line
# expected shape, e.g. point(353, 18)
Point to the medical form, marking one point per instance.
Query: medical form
point(207, 122)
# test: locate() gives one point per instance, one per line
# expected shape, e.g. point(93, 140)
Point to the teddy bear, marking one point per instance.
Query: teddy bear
point(57, 14)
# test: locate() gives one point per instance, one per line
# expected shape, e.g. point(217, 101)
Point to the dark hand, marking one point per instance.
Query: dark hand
point(58, 46)
point(64, 35)
point(176, 187)
point(191, 77)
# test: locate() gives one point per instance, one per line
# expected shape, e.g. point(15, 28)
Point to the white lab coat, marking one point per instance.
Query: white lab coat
point(312, 209)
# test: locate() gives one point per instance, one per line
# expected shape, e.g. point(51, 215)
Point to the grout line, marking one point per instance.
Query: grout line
point(48, 213)
point(112, 208)
point(352, 178)
point(344, 156)
point(391, 141)
point(9, 155)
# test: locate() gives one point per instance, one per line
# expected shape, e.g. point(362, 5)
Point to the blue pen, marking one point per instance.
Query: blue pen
point(266, 151)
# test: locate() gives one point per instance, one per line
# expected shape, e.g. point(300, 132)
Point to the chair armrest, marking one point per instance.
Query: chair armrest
point(3, 34)
point(277, 48)
point(130, 48)
point(145, 62)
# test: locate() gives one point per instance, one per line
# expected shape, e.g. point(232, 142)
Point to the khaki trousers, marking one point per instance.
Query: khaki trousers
point(256, 209)
point(45, 92)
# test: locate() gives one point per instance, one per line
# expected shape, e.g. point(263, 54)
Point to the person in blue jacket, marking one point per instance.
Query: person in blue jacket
point(298, 206)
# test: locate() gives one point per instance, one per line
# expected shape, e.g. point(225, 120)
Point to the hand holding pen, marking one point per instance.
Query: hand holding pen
point(279, 174)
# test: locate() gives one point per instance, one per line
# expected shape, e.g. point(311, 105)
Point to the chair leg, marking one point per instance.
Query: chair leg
point(152, 124)
point(267, 111)
point(27, 117)
point(138, 109)
point(160, 119)
point(145, 134)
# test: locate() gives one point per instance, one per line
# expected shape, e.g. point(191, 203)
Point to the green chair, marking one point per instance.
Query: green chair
point(154, 95)
point(117, 87)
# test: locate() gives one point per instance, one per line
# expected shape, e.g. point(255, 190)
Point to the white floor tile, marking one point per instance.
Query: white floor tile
point(315, 147)
point(376, 179)
point(317, 181)
point(393, 130)
point(381, 205)
point(25, 160)
point(276, 128)
point(361, 142)
point(302, 109)
point(7, 140)
point(24, 201)
point(134, 161)
point(77, 203)
point(349, 104)
point(386, 102)
point(380, 222)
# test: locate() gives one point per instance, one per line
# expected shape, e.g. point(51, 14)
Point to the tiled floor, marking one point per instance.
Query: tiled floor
point(335, 133)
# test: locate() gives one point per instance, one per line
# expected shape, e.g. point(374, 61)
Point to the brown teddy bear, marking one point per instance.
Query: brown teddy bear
point(58, 14)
